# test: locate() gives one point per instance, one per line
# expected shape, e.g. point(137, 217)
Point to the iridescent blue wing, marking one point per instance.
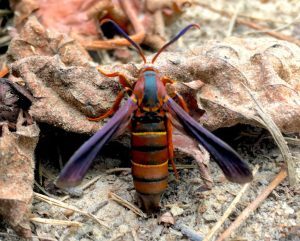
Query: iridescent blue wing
point(234, 168)
point(76, 168)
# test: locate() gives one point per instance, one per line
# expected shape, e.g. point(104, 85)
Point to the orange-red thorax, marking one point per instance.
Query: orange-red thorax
point(149, 90)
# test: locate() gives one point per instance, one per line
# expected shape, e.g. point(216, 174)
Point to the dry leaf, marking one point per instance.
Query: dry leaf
point(16, 174)
point(80, 18)
point(57, 73)
point(269, 68)
point(71, 17)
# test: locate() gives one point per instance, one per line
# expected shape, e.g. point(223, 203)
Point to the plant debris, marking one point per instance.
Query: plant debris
point(16, 179)
point(246, 83)
point(80, 19)
point(79, 91)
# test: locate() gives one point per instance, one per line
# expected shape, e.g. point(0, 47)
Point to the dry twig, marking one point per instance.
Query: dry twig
point(127, 204)
point(229, 209)
point(245, 15)
point(265, 120)
point(58, 203)
point(138, 37)
point(296, 20)
point(261, 19)
point(118, 169)
point(83, 187)
point(33, 237)
point(252, 24)
point(254, 204)
point(43, 189)
point(183, 166)
point(292, 141)
point(234, 17)
point(55, 222)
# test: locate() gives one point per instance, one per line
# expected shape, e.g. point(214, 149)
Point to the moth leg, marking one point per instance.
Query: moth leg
point(127, 88)
point(114, 108)
point(170, 147)
point(174, 94)
point(4, 71)
point(181, 102)
point(167, 80)
point(122, 79)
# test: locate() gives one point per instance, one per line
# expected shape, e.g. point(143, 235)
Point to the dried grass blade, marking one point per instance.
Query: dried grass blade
point(265, 120)
point(254, 204)
point(56, 222)
point(229, 209)
point(127, 204)
point(58, 203)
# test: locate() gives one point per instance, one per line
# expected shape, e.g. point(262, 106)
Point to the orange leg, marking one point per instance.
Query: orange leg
point(170, 145)
point(4, 71)
point(127, 88)
point(122, 79)
point(182, 103)
point(113, 109)
point(167, 80)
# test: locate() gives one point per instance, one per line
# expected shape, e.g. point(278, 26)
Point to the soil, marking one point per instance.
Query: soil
point(277, 218)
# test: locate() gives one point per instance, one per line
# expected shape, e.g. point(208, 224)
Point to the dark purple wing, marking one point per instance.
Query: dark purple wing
point(77, 166)
point(234, 168)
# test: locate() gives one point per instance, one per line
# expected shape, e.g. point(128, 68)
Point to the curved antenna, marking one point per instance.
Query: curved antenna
point(182, 32)
point(125, 35)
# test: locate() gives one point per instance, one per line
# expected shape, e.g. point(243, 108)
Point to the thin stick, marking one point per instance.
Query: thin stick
point(4, 12)
point(159, 25)
point(266, 120)
point(33, 237)
point(267, 31)
point(99, 7)
point(4, 41)
point(118, 169)
point(132, 15)
point(254, 204)
point(292, 141)
point(83, 187)
point(55, 222)
point(296, 20)
point(114, 43)
point(183, 166)
point(58, 203)
point(252, 24)
point(229, 209)
point(127, 204)
point(244, 15)
point(234, 17)
point(43, 189)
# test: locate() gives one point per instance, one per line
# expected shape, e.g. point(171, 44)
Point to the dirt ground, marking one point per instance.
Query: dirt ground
point(277, 218)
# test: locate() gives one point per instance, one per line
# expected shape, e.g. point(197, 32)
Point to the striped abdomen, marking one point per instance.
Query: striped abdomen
point(149, 160)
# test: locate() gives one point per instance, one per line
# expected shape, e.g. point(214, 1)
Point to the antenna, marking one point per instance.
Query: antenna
point(125, 35)
point(182, 32)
